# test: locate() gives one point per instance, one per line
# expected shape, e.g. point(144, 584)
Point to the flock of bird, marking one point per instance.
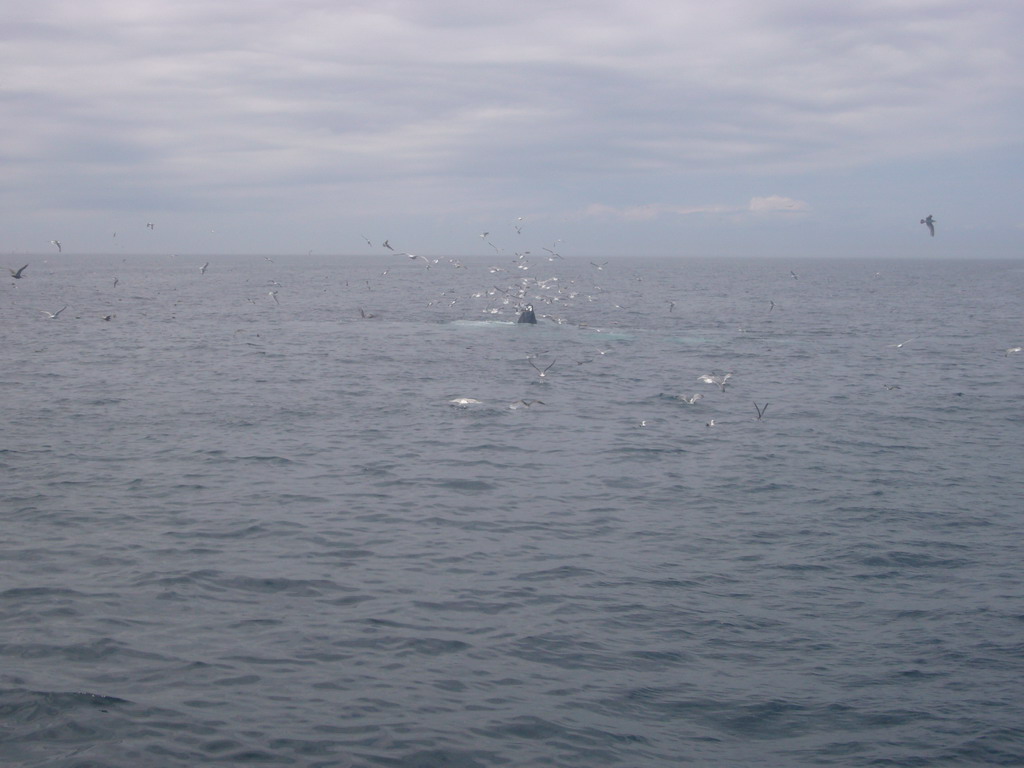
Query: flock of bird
point(520, 293)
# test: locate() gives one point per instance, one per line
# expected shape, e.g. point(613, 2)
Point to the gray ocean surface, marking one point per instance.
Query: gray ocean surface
point(245, 528)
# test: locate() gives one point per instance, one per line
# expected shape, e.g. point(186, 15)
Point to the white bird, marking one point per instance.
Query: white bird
point(1011, 350)
point(602, 265)
point(202, 269)
point(538, 370)
point(691, 400)
point(54, 315)
point(719, 381)
point(462, 402)
point(710, 423)
point(273, 295)
point(57, 243)
point(900, 345)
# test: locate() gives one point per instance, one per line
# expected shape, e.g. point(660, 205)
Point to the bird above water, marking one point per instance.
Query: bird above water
point(16, 273)
point(929, 221)
point(720, 381)
point(54, 315)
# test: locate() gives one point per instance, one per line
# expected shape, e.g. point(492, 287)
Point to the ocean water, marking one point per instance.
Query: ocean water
point(243, 528)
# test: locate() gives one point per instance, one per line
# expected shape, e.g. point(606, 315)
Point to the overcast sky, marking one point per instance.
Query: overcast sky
point(662, 127)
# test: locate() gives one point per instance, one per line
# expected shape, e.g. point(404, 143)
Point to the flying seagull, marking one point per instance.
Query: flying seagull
point(930, 223)
point(760, 410)
point(691, 400)
point(16, 274)
point(900, 345)
point(57, 243)
point(524, 404)
point(388, 245)
point(1009, 352)
point(54, 315)
point(538, 370)
point(720, 381)
point(202, 269)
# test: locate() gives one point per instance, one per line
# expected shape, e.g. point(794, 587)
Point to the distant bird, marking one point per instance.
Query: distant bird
point(150, 225)
point(691, 400)
point(710, 423)
point(16, 273)
point(772, 303)
point(415, 256)
point(116, 281)
point(671, 306)
point(57, 243)
point(524, 404)
point(602, 265)
point(462, 402)
point(538, 370)
point(484, 235)
point(760, 410)
point(719, 381)
point(273, 295)
point(54, 315)
point(900, 345)
point(794, 274)
point(1009, 352)
point(930, 223)
point(108, 318)
point(388, 245)
point(202, 269)
point(365, 315)
point(891, 387)
point(367, 240)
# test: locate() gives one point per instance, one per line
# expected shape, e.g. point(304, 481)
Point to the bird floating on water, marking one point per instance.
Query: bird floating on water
point(16, 273)
point(929, 221)
point(462, 402)
point(1011, 350)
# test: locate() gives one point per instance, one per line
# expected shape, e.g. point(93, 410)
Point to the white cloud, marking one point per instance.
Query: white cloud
point(562, 104)
point(776, 204)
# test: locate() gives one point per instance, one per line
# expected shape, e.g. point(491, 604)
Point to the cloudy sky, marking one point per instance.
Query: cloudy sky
point(667, 127)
